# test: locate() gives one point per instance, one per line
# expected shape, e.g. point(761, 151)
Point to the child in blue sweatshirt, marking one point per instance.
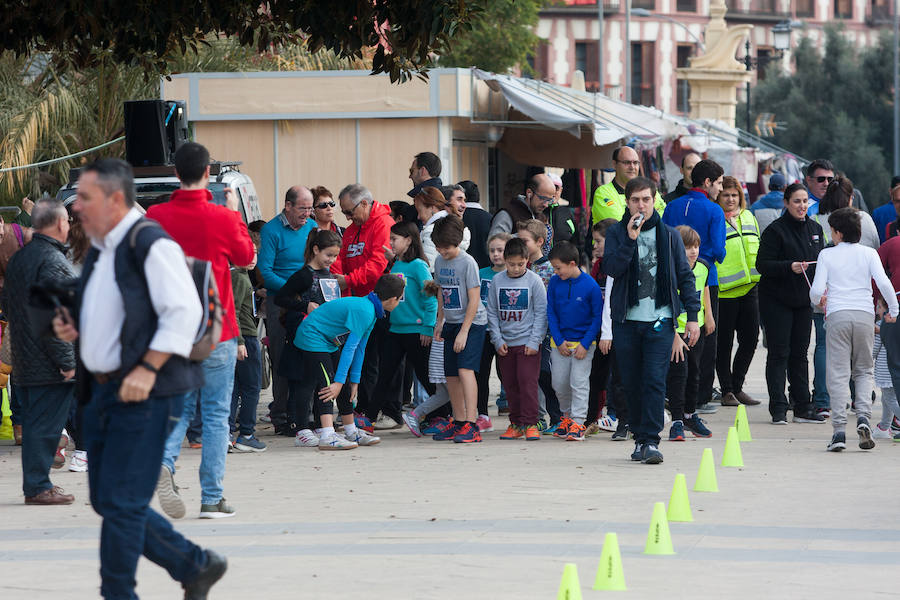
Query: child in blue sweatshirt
point(574, 313)
point(342, 324)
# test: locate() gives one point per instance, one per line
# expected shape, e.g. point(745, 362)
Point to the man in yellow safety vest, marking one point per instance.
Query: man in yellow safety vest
point(609, 198)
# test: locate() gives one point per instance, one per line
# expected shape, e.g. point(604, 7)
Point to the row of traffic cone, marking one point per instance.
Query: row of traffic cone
point(610, 573)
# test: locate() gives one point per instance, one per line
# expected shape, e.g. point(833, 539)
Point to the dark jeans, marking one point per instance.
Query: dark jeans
point(388, 398)
point(683, 381)
point(483, 376)
point(376, 347)
point(125, 445)
point(708, 358)
point(642, 353)
point(245, 394)
point(276, 334)
point(890, 337)
point(545, 382)
point(75, 424)
point(15, 403)
point(195, 429)
point(820, 365)
point(45, 409)
point(599, 385)
point(741, 316)
point(787, 334)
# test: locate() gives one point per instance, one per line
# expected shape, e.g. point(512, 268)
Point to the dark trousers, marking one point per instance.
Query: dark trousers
point(741, 316)
point(787, 333)
point(316, 372)
point(45, 409)
point(75, 424)
point(483, 376)
point(545, 381)
point(521, 373)
point(125, 445)
point(375, 349)
point(275, 332)
point(683, 381)
point(890, 337)
point(599, 381)
point(615, 392)
point(195, 430)
point(642, 353)
point(708, 359)
point(15, 403)
point(245, 394)
point(388, 397)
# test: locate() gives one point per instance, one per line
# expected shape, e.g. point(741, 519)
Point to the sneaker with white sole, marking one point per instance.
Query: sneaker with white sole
point(363, 438)
point(412, 423)
point(334, 441)
point(249, 443)
point(305, 438)
point(877, 432)
point(167, 492)
point(608, 423)
point(838, 442)
point(78, 464)
point(484, 424)
point(865, 434)
point(219, 510)
point(385, 423)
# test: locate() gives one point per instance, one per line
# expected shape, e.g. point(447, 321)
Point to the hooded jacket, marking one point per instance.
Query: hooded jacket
point(786, 241)
point(362, 251)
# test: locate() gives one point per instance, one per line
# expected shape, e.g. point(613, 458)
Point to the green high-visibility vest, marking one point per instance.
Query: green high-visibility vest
point(737, 273)
point(610, 204)
point(701, 272)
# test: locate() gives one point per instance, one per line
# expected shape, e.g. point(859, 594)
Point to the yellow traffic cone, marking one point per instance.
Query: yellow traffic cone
point(569, 586)
point(706, 476)
point(742, 424)
point(659, 540)
point(610, 576)
point(679, 504)
point(732, 455)
point(6, 430)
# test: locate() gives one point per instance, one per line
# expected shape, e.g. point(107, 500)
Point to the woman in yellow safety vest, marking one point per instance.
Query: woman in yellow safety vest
point(738, 296)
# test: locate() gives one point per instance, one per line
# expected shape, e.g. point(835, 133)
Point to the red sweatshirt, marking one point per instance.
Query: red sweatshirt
point(362, 253)
point(208, 232)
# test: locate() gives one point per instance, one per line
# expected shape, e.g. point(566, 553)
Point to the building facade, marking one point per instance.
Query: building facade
point(668, 37)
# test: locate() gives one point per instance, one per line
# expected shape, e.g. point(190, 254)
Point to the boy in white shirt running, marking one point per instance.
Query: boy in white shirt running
point(843, 287)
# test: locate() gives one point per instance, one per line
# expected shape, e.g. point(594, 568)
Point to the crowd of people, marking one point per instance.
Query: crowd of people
point(619, 320)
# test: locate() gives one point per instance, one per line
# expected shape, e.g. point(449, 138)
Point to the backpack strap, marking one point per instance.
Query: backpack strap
point(140, 244)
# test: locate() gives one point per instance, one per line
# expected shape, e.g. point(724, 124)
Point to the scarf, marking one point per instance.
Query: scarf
point(662, 262)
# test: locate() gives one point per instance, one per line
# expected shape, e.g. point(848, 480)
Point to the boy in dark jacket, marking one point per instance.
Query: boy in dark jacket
point(654, 284)
point(247, 371)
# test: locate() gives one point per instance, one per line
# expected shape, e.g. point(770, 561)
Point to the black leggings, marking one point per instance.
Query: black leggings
point(483, 376)
point(317, 371)
point(741, 316)
point(683, 381)
point(388, 398)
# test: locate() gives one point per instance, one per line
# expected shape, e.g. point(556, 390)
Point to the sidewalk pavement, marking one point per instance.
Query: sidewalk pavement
point(414, 518)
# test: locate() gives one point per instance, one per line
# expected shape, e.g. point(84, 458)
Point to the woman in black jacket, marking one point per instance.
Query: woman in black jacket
point(786, 261)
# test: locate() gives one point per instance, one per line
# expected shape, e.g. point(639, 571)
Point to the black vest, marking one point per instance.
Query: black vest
point(178, 375)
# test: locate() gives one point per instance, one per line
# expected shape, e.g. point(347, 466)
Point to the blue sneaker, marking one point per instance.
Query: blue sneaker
point(436, 426)
point(676, 432)
point(550, 430)
point(650, 455)
point(447, 433)
point(696, 426)
point(249, 444)
point(636, 455)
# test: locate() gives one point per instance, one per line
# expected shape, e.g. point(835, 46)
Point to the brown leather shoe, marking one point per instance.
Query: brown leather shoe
point(729, 400)
point(17, 434)
point(743, 398)
point(51, 497)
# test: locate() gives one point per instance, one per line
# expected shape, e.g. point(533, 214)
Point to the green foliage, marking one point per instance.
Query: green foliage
point(836, 106)
point(151, 35)
point(502, 38)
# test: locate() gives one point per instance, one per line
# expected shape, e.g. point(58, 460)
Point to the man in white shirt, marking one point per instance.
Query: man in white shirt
point(135, 327)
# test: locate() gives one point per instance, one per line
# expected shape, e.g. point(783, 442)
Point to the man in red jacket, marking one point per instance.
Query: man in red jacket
point(217, 234)
point(363, 262)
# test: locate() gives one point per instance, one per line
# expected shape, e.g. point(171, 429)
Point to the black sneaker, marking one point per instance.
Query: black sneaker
point(650, 455)
point(779, 419)
point(621, 433)
point(838, 442)
point(810, 416)
point(865, 433)
point(198, 587)
point(638, 450)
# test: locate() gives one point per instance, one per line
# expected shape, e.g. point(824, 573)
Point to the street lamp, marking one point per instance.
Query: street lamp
point(782, 34)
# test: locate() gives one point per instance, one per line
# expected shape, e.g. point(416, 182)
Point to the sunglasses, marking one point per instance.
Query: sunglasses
point(824, 178)
point(325, 205)
point(349, 213)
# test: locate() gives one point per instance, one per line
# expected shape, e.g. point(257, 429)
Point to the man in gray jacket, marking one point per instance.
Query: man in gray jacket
point(43, 365)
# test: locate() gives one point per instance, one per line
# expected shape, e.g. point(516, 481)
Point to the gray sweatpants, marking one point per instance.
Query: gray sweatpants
point(572, 383)
point(849, 335)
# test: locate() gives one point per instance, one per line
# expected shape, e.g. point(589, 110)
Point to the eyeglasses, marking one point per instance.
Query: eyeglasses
point(303, 208)
point(545, 198)
point(824, 178)
point(349, 213)
point(630, 163)
point(325, 205)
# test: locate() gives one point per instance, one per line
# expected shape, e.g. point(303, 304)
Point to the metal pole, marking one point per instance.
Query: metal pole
point(627, 38)
point(896, 89)
point(748, 63)
point(600, 45)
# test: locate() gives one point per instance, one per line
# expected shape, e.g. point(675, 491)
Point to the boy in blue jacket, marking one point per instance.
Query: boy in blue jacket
point(343, 324)
point(574, 313)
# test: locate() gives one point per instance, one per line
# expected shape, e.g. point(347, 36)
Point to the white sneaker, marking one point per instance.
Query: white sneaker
point(334, 441)
point(608, 423)
point(78, 463)
point(306, 439)
point(877, 432)
point(386, 423)
point(667, 418)
point(362, 438)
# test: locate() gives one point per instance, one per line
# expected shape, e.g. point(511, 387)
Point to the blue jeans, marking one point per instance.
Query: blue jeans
point(125, 444)
point(643, 351)
point(215, 402)
point(820, 389)
point(44, 410)
point(245, 397)
point(15, 404)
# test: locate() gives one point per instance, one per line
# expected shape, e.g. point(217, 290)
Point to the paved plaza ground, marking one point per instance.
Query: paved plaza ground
point(413, 518)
